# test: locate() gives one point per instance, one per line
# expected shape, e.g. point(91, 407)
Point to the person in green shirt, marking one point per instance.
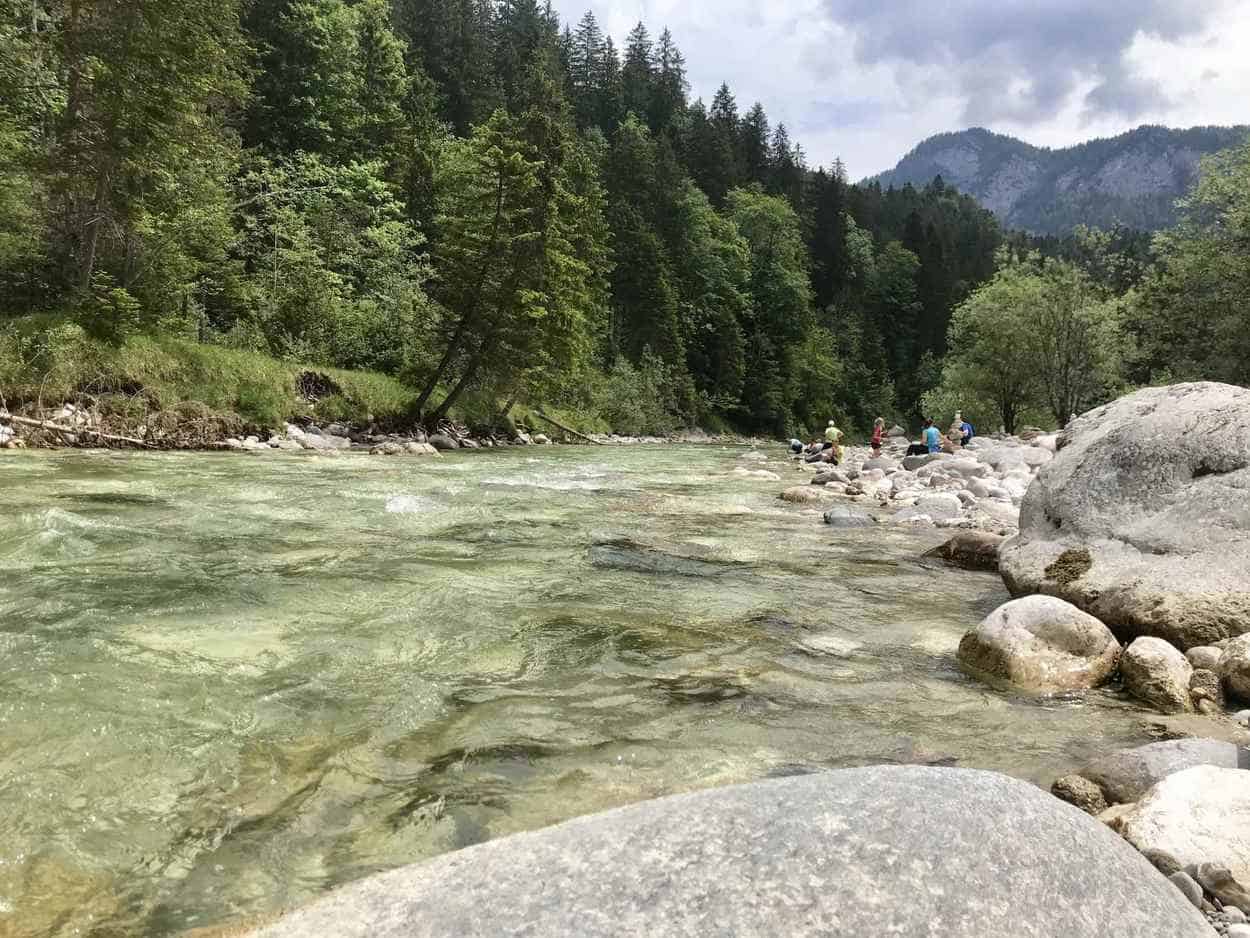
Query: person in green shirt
point(833, 438)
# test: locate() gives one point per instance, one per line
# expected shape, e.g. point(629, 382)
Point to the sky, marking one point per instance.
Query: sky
point(866, 80)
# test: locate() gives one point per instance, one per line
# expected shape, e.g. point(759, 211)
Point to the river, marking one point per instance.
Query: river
point(232, 682)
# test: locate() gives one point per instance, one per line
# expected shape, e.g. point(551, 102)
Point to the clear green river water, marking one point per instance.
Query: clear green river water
point(229, 683)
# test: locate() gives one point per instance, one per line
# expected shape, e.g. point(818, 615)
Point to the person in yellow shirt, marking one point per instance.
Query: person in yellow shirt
point(833, 439)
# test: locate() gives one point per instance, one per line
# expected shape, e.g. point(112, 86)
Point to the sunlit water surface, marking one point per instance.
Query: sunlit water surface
point(229, 683)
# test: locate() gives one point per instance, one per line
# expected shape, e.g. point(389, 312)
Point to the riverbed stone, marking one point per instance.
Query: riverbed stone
point(1205, 657)
point(1206, 691)
point(1199, 815)
point(1219, 881)
point(898, 850)
point(1080, 792)
point(802, 495)
point(1125, 776)
point(1041, 644)
point(972, 550)
point(1157, 674)
point(1234, 667)
point(1189, 888)
point(842, 516)
point(1143, 516)
point(442, 441)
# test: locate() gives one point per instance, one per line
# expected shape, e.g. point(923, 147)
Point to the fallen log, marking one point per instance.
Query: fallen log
point(559, 426)
point(81, 431)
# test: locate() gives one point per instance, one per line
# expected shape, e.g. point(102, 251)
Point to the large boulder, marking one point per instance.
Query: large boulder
point(1124, 777)
point(1156, 673)
point(1200, 815)
point(1041, 644)
point(885, 850)
point(1143, 516)
point(1234, 667)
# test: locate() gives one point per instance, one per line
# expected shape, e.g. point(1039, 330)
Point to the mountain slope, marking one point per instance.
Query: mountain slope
point(1132, 179)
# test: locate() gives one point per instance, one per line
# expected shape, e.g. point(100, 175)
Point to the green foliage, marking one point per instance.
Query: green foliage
point(1039, 335)
point(325, 266)
point(636, 400)
point(52, 360)
point(1192, 310)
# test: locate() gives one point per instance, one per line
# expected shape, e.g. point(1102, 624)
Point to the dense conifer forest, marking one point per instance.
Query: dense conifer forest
point(497, 208)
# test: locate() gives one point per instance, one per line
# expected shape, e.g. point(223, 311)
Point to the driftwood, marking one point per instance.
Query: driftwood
point(82, 431)
point(541, 416)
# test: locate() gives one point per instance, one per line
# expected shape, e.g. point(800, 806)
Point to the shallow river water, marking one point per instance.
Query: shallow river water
point(229, 683)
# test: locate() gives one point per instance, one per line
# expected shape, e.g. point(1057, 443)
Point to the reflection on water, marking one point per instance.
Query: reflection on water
point(229, 683)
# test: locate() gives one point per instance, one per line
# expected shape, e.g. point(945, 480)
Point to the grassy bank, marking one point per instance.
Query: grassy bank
point(46, 363)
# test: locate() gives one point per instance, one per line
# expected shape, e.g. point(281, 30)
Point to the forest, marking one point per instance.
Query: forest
point(495, 208)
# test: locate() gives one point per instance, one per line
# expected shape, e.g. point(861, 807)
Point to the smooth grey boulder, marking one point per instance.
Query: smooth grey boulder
point(1156, 673)
point(1040, 644)
point(1143, 516)
point(843, 517)
point(1125, 776)
point(1199, 815)
point(886, 850)
point(442, 441)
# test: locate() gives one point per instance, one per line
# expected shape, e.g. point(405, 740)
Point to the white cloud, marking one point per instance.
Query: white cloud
point(870, 102)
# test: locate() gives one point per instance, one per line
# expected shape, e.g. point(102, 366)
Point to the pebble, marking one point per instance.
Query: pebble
point(1238, 931)
point(1234, 916)
point(1188, 887)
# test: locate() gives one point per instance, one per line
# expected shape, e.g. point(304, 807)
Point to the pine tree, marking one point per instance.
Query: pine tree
point(756, 157)
point(668, 103)
point(638, 73)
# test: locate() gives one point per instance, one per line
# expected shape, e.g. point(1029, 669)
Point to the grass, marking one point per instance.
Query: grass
point(43, 360)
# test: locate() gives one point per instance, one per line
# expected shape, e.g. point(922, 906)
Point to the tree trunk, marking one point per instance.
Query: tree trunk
point(453, 344)
point(470, 372)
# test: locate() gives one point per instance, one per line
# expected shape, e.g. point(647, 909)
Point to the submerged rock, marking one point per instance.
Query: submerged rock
point(1041, 644)
point(897, 850)
point(623, 553)
point(843, 517)
point(971, 550)
point(1143, 519)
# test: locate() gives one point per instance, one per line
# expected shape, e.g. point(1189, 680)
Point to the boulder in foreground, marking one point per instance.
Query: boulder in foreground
point(886, 850)
point(1041, 644)
point(1143, 517)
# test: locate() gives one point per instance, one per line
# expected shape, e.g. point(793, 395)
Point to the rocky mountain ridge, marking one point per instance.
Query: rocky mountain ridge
point(1133, 179)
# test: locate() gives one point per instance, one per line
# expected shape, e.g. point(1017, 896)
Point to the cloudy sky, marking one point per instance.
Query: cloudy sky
point(865, 80)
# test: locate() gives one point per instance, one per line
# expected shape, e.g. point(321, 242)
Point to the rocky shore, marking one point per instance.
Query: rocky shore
point(1126, 542)
point(73, 425)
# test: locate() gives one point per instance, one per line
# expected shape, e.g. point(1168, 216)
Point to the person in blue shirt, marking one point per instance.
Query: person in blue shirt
point(968, 432)
point(932, 437)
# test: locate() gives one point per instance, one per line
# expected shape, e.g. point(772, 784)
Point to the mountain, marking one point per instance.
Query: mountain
point(1132, 179)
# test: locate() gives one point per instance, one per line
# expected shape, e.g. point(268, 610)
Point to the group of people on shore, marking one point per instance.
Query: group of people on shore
point(933, 441)
point(829, 449)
